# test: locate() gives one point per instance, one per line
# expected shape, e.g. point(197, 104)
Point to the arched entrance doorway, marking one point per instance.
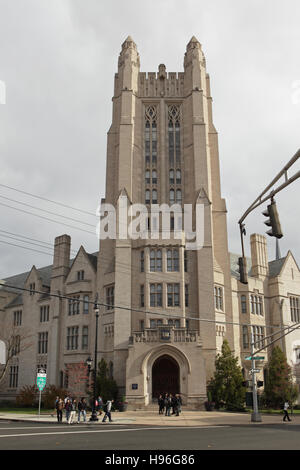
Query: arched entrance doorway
point(165, 376)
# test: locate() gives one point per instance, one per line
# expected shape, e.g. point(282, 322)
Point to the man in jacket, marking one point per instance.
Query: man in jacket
point(82, 410)
point(108, 411)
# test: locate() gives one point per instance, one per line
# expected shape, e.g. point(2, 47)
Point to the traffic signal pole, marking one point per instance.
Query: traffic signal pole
point(255, 416)
point(260, 200)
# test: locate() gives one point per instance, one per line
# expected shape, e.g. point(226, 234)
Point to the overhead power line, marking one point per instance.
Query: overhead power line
point(47, 212)
point(48, 200)
point(168, 315)
point(47, 218)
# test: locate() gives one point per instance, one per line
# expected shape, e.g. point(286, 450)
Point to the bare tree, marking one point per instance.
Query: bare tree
point(15, 342)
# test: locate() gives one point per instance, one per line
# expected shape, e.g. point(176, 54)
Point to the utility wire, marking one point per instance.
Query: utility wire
point(47, 212)
point(8, 286)
point(30, 243)
point(26, 248)
point(48, 200)
point(47, 218)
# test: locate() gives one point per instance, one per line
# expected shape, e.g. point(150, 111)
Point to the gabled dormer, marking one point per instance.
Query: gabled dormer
point(82, 270)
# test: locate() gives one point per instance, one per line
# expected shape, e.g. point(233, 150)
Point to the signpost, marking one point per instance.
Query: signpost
point(256, 358)
point(41, 382)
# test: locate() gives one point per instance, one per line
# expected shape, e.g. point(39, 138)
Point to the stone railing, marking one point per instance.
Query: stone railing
point(164, 334)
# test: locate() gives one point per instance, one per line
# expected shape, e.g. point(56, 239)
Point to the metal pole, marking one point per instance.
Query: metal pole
point(255, 417)
point(40, 404)
point(94, 411)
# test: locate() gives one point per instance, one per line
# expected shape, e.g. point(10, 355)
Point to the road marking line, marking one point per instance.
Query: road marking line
point(111, 430)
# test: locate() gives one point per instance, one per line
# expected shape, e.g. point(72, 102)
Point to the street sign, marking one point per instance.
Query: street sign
point(41, 381)
point(255, 370)
point(256, 358)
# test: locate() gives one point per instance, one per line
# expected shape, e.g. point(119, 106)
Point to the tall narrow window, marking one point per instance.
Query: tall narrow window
point(178, 196)
point(85, 304)
point(154, 196)
point(150, 135)
point(110, 297)
point(174, 134)
point(173, 295)
point(245, 337)
point(172, 260)
point(13, 376)
point(186, 291)
point(142, 261)
point(171, 176)
point(155, 295)
point(147, 196)
point(85, 337)
point(243, 304)
point(154, 177)
point(155, 260)
point(147, 177)
point(172, 196)
point(142, 295)
point(178, 177)
point(219, 298)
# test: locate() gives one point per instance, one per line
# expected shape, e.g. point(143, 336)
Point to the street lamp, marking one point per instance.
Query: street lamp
point(94, 412)
point(88, 362)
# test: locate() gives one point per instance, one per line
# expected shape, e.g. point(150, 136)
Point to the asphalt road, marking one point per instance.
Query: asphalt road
point(37, 436)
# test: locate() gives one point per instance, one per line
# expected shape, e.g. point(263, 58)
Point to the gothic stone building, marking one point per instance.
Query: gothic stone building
point(166, 308)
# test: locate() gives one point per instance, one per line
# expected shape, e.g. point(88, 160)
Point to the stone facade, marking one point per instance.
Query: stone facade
point(164, 309)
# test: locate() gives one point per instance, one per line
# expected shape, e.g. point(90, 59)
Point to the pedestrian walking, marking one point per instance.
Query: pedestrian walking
point(285, 411)
point(99, 406)
point(82, 405)
point(59, 405)
point(107, 410)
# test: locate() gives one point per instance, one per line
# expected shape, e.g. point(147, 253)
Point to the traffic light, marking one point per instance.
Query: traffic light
point(243, 270)
point(260, 383)
point(273, 220)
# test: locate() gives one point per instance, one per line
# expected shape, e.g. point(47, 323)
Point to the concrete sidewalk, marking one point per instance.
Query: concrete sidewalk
point(152, 418)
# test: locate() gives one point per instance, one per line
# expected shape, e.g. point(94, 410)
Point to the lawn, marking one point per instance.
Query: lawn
point(30, 411)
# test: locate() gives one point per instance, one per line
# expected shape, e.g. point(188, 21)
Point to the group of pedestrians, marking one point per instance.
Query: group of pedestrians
point(168, 402)
point(71, 408)
point(74, 410)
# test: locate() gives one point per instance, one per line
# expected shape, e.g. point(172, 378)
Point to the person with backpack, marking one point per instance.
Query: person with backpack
point(107, 411)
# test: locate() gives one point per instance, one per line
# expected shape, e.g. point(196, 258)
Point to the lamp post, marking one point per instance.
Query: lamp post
point(94, 412)
point(88, 363)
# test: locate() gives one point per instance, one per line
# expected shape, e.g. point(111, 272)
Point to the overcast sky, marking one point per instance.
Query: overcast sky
point(57, 61)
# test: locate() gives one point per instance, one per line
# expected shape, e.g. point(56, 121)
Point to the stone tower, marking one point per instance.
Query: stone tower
point(162, 298)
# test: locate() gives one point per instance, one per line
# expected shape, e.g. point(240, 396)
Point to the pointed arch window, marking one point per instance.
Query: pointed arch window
point(172, 196)
point(150, 135)
point(154, 177)
point(171, 177)
point(174, 134)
